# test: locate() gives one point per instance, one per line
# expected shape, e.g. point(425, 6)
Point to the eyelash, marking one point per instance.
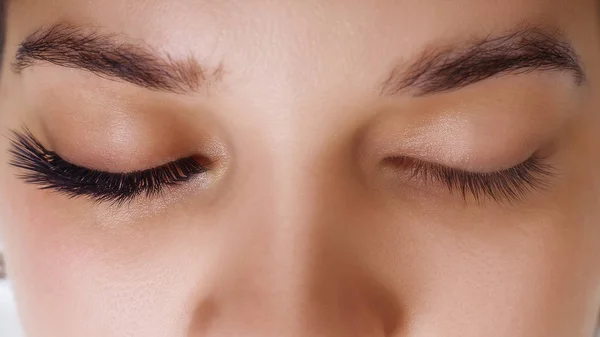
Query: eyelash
point(48, 170)
point(509, 185)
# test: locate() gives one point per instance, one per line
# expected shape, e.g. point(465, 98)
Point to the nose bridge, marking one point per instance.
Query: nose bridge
point(285, 252)
point(286, 273)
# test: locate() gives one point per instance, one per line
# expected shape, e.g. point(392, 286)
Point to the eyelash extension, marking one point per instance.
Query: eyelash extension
point(510, 185)
point(49, 171)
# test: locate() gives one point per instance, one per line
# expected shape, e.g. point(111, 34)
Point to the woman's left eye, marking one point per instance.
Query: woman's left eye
point(513, 184)
point(49, 171)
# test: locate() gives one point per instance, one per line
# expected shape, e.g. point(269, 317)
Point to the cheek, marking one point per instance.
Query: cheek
point(41, 256)
point(513, 273)
point(537, 275)
point(75, 277)
point(511, 281)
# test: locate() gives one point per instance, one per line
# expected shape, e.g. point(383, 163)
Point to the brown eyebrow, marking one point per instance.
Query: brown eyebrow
point(448, 69)
point(105, 55)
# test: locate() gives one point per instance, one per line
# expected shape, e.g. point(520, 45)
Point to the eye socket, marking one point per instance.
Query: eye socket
point(49, 171)
point(511, 185)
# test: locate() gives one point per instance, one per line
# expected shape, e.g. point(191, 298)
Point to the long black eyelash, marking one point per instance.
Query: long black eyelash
point(510, 185)
point(49, 171)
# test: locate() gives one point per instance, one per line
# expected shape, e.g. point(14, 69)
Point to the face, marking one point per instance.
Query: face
point(316, 168)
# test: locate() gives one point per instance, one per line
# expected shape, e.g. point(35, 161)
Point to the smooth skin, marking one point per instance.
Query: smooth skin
point(298, 230)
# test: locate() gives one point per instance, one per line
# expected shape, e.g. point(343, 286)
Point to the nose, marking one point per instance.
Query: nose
point(288, 266)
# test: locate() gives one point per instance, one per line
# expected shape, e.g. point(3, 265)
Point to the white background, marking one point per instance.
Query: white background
point(8, 313)
point(9, 326)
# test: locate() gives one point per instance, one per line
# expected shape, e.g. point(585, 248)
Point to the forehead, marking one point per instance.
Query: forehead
point(402, 20)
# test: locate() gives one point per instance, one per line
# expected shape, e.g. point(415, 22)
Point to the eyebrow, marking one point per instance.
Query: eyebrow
point(447, 69)
point(107, 56)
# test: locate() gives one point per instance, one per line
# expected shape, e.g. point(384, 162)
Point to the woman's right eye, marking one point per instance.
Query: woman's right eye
point(48, 170)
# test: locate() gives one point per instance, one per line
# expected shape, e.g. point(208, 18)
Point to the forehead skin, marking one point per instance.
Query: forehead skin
point(295, 238)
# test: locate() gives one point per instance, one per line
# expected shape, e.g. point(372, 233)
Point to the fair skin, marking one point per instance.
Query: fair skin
point(310, 220)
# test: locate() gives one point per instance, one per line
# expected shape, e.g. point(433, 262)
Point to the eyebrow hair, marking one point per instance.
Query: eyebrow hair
point(107, 56)
point(453, 68)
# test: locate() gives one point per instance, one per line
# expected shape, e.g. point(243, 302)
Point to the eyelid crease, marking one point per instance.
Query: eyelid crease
point(49, 171)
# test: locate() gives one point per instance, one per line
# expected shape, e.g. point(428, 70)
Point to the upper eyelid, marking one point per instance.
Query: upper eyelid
point(117, 174)
point(26, 133)
point(425, 164)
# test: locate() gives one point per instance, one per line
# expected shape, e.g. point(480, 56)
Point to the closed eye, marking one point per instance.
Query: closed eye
point(513, 184)
point(48, 170)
